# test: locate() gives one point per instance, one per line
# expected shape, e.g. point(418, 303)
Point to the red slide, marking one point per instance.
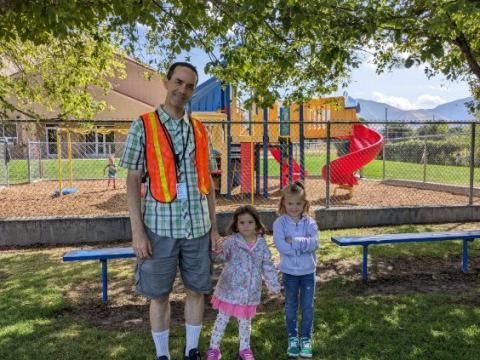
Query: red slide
point(365, 144)
point(295, 166)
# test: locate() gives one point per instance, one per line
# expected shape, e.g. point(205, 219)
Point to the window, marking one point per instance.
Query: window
point(51, 133)
point(100, 142)
point(8, 132)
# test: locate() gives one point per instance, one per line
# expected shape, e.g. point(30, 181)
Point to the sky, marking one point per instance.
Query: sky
point(406, 89)
point(403, 88)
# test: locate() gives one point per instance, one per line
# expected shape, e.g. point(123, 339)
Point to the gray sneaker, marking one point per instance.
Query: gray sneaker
point(306, 350)
point(293, 346)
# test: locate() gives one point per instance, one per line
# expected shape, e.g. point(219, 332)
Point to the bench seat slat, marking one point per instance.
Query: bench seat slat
point(405, 237)
point(99, 254)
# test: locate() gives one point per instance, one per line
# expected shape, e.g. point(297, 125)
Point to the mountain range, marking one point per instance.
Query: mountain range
point(452, 111)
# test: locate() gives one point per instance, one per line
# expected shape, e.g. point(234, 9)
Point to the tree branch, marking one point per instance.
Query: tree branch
point(462, 42)
point(9, 106)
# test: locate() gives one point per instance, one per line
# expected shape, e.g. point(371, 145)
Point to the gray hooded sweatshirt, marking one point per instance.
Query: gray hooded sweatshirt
point(297, 258)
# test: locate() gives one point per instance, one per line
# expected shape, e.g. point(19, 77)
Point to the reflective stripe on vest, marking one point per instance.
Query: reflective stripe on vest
point(161, 160)
point(201, 155)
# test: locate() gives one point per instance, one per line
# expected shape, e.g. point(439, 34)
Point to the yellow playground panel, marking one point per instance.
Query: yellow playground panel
point(316, 114)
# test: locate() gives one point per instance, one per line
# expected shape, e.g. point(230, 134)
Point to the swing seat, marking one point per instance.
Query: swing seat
point(66, 191)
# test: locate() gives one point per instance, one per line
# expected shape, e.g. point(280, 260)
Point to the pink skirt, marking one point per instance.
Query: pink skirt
point(238, 311)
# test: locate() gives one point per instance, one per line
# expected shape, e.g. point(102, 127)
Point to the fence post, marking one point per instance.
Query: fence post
point(302, 144)
point(40, 156)
point(384, 153)
point(230, 173)
point(9, 158)
point(424, 157)
point(4, 160)
point(327, 187)
point(472, 163)
point(290, 160)
point(28, 164)
point(265, 153)
point(59, 161)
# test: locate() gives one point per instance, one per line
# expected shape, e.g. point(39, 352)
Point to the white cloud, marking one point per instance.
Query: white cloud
point(397, 101)
point(424, 101)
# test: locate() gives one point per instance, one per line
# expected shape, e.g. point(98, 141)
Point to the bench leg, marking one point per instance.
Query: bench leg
point(104, 281)
point(465, 256)
point(365, 263)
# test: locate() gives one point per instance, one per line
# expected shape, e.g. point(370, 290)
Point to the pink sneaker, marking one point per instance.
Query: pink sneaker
point(213, 354)
point(246, 354)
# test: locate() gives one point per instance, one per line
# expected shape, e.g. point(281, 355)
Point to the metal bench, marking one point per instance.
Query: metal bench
point(366, 241)
point(103, 255)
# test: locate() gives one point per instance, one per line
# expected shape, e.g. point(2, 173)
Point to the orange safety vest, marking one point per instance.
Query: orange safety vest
point(160, 158)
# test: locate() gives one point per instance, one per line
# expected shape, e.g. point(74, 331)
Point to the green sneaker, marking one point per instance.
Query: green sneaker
point(293, 346)
point(306, 351)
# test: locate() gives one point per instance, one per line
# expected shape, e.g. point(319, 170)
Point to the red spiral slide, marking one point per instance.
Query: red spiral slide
point(365, 144)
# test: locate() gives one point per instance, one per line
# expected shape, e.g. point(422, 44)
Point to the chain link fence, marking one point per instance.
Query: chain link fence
point(4, 160)
point(416, 164)
point(77, 161)
point(13, 164)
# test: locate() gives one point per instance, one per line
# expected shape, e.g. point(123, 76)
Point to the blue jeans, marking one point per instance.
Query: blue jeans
point(301, 288)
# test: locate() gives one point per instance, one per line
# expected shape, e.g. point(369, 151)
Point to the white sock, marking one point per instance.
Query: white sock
point(161, 343)
point(193, 336)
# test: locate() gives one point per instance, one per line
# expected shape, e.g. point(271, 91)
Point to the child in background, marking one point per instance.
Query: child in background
point(296, 237)
point(238, 291)
point(112, 171)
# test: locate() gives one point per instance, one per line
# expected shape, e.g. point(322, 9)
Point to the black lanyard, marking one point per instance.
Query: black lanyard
point(179, 159)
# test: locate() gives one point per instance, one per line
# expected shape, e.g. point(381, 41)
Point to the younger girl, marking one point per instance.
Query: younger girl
point(296, 237)
point(239, 287)
point(112, 171)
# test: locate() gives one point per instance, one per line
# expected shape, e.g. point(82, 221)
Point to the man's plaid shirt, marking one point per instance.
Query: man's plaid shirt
point(179, 219)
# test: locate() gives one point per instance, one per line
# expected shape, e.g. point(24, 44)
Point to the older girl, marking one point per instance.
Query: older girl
point(296, 237)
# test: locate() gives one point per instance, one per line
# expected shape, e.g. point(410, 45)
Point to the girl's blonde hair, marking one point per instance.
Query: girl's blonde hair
point(246, 209)
point(295, 189)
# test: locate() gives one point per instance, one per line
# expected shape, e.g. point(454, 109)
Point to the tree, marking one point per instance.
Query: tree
point(297, 49)
point(398, 131)
point(443, 34)
point(439, 129)
point(56, 78)
point(283, 48)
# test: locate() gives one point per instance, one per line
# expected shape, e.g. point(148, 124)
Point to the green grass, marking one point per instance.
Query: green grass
point(81, 169)
point(93, 169)
point(352, 320)
point(443, 174)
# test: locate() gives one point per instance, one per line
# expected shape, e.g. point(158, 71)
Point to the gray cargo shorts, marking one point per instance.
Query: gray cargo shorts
point(155, 277)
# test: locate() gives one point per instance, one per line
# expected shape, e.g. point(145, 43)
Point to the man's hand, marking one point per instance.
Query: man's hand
point(142, 246)
point(288, 240)
point(216, 242)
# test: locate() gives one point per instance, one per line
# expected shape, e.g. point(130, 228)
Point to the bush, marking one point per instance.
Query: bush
point(438, 152)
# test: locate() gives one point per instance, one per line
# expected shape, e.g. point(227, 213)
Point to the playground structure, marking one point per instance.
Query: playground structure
point(68, 130)
point(275, 130)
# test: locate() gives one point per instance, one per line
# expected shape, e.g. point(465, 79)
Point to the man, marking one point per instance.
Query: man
point(178, 225)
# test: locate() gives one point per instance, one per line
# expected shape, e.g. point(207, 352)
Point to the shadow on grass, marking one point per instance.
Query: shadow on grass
point(416, 306)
